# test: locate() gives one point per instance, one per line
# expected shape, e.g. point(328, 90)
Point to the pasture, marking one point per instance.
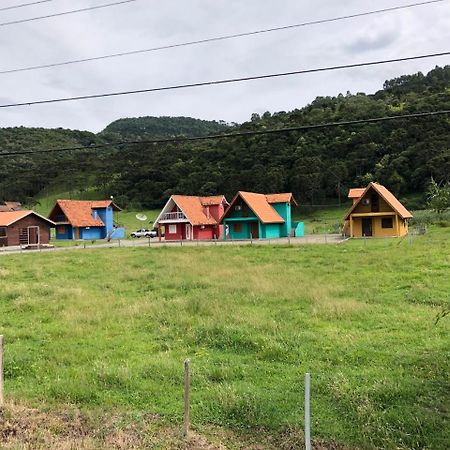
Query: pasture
point(102, 334)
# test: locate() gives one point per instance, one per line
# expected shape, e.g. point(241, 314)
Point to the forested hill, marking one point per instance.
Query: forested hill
point(315, 164)
point(161, 127)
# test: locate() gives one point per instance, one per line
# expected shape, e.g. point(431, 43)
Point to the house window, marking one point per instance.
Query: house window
point(61, 229)
point(375, 200)
point(2, 232)
point(237, 227)
point(172, 229)
point(387, 223)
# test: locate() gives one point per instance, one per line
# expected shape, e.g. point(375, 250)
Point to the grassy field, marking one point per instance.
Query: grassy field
point(101, 335)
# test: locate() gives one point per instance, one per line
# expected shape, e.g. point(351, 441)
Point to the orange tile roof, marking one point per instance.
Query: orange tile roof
point(356, 192)
point(285, 197)
point(388, 196)
point(213, 200)
point(10, 217)
point(105, 204)
point(392, 200)
point(259, 204)
point(79, 212)
point(192, 208)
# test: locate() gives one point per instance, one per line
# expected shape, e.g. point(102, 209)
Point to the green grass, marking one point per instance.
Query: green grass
point(108, 330)
point(323, 220)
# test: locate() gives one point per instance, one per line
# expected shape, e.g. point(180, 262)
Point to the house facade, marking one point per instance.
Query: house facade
point(259, 216)
point(25, 228)
point(187, 217)
point(86, 220)
point(375, 212)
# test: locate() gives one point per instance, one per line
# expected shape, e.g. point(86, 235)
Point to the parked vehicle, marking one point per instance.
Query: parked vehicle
point(143, 232)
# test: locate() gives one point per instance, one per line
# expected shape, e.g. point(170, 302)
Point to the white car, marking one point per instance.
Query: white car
point(143, 232)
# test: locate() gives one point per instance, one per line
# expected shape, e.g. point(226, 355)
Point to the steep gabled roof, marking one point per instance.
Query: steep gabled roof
point(10, 217)
point(356, 192)
point(259, 204)
point(105, 204)
point(213, 200)
point(285, 197)
point(388, 196)
point(192, 208)
point(79, 212)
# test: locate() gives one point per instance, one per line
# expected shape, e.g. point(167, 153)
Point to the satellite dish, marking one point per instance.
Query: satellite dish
point(140, 216)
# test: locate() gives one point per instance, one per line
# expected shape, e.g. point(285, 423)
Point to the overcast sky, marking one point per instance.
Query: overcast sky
point(149, 23)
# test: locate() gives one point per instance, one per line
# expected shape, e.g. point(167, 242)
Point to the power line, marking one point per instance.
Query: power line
point(217, 38)
point(225, 81)
point(23, 5)
point(64, 13)
point(233, 135)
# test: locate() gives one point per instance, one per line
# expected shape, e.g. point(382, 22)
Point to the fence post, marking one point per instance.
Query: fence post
point(307, 412)
point(1, 372)
point(187, 383)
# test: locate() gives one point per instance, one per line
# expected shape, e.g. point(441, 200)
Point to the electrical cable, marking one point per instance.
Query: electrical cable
point(224, 81)
point(217, 38)
point(234, 135)
point(65, 13)
point(23, 5)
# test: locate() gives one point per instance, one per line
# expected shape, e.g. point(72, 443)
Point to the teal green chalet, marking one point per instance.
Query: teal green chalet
point(260, 216)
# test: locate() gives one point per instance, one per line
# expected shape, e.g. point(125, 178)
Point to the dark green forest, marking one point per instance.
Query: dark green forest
point(317, 165)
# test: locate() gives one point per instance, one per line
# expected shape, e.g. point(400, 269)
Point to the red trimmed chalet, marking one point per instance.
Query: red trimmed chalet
point(187, 217)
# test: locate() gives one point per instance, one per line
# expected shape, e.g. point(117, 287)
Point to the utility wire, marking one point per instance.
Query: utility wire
point(23, 5)
point(225, 81)
point(217, 38)
point(233, 135)
point(65, 13)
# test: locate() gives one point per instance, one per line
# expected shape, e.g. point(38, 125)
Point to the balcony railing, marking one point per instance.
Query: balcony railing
point(173, 216)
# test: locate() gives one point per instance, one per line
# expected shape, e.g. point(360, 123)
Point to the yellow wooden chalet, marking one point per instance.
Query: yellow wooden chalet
point(375, 212)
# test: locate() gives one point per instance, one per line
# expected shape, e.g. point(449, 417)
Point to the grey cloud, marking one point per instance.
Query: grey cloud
point(148, 23)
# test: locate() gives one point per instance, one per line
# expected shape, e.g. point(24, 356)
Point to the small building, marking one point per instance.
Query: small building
point(10, 206)
point(187, 217)
point(85, 219)
point(259, 216)
point(25, 228)
point(375, 212)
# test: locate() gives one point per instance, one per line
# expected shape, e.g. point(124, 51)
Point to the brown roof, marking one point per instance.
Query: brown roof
point(356, 192)
point(192, 208)
point(10, 217)
point(259, 204)
point(79, 212)
point(388, 196)
point(285, 197)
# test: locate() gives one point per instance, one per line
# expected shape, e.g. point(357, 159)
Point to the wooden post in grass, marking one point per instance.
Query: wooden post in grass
point(307, 412)
point(187, 387)
point(1, 372)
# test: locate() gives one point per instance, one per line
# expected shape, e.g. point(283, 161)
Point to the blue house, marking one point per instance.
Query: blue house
point(259, 216)
point(88, 220)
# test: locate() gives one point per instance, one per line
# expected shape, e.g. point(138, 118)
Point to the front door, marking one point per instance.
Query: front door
point(367, 227)
point(188, 232)
point(33, 235)
point(255, 233)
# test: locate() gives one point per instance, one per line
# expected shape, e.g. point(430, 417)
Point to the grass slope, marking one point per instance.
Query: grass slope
point(107, 330)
